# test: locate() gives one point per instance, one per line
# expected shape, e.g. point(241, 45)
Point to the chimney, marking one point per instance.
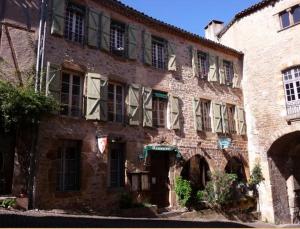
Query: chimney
point(212, 30)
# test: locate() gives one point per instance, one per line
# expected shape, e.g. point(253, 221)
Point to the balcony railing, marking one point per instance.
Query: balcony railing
point(293, 109)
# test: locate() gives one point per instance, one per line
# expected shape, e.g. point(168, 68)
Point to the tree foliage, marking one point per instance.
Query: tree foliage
point(183, 190)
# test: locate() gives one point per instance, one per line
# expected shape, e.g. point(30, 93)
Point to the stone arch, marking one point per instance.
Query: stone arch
point(283, 158)
point(236, 166)
point(241, 158)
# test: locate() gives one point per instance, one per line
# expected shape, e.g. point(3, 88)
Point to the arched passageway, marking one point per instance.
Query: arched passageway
point(196, 170)
point(284, 160)
point(236, 166)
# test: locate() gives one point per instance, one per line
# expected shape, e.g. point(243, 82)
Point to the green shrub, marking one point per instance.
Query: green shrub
point(126, 201)
point(7, 203)
point(256, 176)
point(200, 196)
point(183, 190)
point(219, 190)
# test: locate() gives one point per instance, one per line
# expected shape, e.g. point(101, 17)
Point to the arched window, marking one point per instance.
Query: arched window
point(291, 78)
point(236, 166)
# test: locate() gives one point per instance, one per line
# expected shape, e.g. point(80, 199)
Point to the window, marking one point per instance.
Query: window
point(115, 102)
point(117, 168)
point(228, 69)
point(285, 19)
point(290, 16)
point(296, 14)
point(205, 111)
point(159, 103)
point(291, 80)
point(71, 94)
point(203, 64)
point(139, 181)
point(117, 38)
point(68, 168)
point(231, 119)
point(158, 53)
point(74, 23)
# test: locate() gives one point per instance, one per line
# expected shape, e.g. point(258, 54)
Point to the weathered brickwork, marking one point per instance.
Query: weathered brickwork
point(268, 50)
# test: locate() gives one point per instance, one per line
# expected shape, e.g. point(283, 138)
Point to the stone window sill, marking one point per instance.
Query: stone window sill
point(290, 26)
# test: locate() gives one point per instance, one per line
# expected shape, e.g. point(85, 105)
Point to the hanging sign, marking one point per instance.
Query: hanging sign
point(102, 142)
point(224, 143)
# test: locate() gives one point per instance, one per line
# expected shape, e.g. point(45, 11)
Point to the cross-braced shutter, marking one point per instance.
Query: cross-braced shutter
point(240, 120)
point(93, 28)
point(147, 107)
point(174, 112)
point(132, 41)
point(225, 121)
point(236, 81)
point(171, 56)
point(58, 17)
point(105, 32)
point(96, 97)
point(197, 114)
point(221, 71)
point(217, 117)
point(53, 81)
point(133, 108)
point(147, 48)
point(195, 64)
point(212, 74)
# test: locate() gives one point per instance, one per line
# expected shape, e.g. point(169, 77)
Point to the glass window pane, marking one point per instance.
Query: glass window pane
point(296, 14)
point(285, 20)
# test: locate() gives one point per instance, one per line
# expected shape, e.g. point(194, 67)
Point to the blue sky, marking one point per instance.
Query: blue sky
point(191, 15)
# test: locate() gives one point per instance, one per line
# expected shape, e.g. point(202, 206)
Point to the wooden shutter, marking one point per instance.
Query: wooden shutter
point(58, 17)
point(236, 81)
point(105, 32)
point(174, 112)
point(133, 108)
point(96, 97)
point(225, 122)
point(217, 117)
point(147, 107)
point(171, 56)
point(132, 41)
point(221, 72)
point(240, 120)
point(93, 28)
point(194, 58)
point(53, 81)
point(212, 74)
point(147, 39)
point(197, 114)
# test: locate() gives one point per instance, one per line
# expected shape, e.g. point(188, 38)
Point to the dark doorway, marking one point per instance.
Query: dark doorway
point(235, 166)
point(116, 164)
point(6, 164)
point(159, 179)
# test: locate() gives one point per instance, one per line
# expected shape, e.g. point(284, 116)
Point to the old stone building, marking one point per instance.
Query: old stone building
point(268, 35)
point(140, 99)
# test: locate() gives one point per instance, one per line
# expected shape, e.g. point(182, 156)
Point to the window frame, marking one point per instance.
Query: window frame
point(114, 38)
point(201, 65)
point(159, 42)
point(228, 65)
point(158, 101)
point(115, 84)
point(231, 109)
point(290, 15)
point(206, 116)
point(70, 94)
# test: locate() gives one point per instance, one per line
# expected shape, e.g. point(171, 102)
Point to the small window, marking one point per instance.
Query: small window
point(71, 94)
point(74, 23)
point(159, 103)
point(117, 168)
point(203, 64)
point(115, 102)
point(285, 19)
point(231, 119)
point(205, 110)
point(158, 53)
point(68, 166)
point(117, 38)
point(296, 14)
point(228, 68)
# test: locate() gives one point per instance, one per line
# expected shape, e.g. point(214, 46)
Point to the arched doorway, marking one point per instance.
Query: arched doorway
point(196, 170)
point(284, 159)
point(236, 166)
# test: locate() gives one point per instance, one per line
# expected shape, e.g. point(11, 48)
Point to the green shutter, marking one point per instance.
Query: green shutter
point(212, 74)
point(217, 117)
point(53, 81)
point(132, 41)
point(240, 120)
point(58, 17)
point(105, 32)
point(171, 56)
point(174, 112)
point(194, 58)
point(197, 114)
point(225, 122)
point(221, 72)
point(147, 39)
point(147, 107)
point(236, 81)
point(133, 108)
point(96, 97)
point(93, 28)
